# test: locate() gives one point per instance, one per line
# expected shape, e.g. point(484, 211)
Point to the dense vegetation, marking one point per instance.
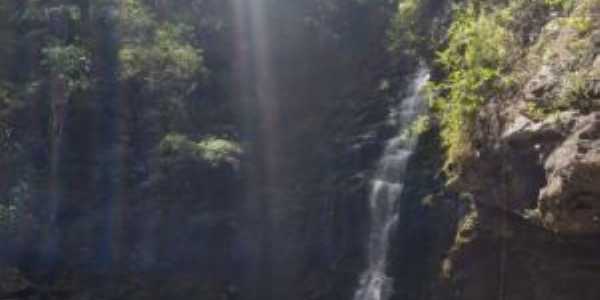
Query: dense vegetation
point(222, 149)
point(135, 148)
point(476, 57)
point(475, 65)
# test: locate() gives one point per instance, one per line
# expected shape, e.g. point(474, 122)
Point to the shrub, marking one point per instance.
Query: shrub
point(475, 59)
point(535, 112)
point(577, 90)
point(173, 144)
point(215, 151)
point(582, 25)
point(419, 126)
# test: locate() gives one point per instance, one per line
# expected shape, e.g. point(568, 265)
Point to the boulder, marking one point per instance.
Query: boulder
point(570, 202)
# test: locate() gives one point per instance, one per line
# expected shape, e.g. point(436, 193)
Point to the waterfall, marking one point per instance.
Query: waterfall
point(386, 188)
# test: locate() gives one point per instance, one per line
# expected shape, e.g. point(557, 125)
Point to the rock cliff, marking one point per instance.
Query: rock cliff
point(530, 181)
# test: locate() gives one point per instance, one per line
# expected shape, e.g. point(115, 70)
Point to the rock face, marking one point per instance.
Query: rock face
point(533, 184)
point(570, 202)
point(531, 232)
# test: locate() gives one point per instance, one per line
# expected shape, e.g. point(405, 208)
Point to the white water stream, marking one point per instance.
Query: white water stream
point(386, 188)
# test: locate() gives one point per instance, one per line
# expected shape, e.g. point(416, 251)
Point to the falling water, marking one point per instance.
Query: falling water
point(386, 188)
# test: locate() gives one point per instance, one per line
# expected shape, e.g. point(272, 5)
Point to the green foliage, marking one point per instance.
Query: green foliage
point(476, 59)
point(467, 228)
point(476, 40)
point(44, 11)
point(213, 150)
point(586, 7)
point(583, 25)
point(535, 112)
point(70, 62)
point(421, 125)
point(175, 143)
point(216, 150)
point(577, 90)
point(11, 211)
point(418, 127)
point(168, 58)
point(403, 34)
point(137, 22)
point(518, 13)
point(565, 5)
point(411, 32)
point(159, 54)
